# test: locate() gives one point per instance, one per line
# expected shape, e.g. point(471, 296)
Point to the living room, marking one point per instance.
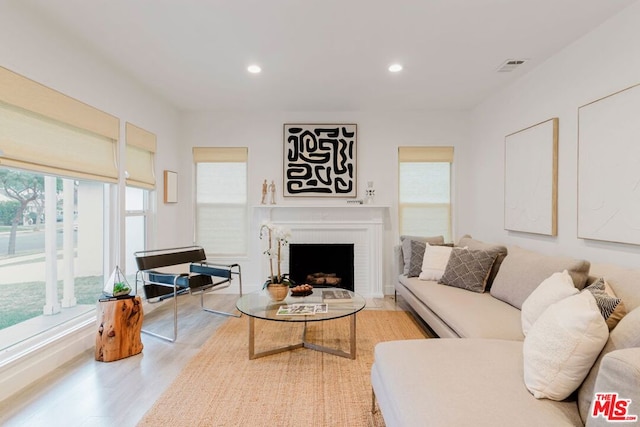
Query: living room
point(596, 60)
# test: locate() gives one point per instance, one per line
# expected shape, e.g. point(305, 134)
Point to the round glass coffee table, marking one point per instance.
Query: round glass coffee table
point(311, 308)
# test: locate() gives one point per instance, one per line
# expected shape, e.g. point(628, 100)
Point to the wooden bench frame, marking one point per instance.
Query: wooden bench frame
point(203, 277)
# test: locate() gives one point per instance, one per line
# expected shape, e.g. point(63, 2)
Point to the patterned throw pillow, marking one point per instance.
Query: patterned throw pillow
point(417, 255)
point(611, 307)
point(468, 269)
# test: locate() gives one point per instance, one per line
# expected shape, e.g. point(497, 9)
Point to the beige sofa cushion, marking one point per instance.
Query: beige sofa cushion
point(624, 335)
point(619, 373)
point(469, 314)
point(460, 382)
point(522, 271)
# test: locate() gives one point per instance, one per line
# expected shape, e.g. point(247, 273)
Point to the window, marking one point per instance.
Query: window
point(57, 165)
point(221, 200)
point(51, 251)
point(140, 165)
point(424, 201)
point(137, 218)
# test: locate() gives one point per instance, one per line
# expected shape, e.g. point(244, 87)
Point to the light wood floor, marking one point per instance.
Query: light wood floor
point(84, 392)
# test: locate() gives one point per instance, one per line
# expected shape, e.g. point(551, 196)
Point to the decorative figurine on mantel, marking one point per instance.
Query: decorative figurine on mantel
point(264, 192)
point(272, 191)
point(370, 193)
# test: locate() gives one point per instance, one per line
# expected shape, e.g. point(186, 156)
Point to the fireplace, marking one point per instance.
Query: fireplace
point(322, 264)
point(362, 226)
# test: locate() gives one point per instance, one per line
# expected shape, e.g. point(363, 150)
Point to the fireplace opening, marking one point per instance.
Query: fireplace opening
point(322, 264)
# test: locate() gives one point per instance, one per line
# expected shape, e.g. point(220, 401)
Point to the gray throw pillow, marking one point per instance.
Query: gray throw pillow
point(406, 249)
point(468, 269)
point(499, 250)
point(417, 256)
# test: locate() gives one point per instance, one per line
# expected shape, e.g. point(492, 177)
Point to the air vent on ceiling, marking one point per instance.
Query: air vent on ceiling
point(510, 65)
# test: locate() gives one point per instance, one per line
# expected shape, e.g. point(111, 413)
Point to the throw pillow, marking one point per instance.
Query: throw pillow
point(434, 262)
point(405, 242)
point(552, 289)
point(417, 257)
point(500, 251)
point(468, 269)
point(562, 346)
point(611, 307)
point(522, 271)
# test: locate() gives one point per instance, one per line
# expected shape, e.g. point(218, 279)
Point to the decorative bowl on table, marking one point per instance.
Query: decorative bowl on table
point(301, 290)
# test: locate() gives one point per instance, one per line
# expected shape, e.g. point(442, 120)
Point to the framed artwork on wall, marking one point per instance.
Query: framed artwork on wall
point(320, 160)
point(531, 179)
point(170, 187)
point(609, 168)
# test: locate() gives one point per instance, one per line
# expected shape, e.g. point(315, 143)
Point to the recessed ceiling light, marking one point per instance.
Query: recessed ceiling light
point(254, 69)
point(394, 68)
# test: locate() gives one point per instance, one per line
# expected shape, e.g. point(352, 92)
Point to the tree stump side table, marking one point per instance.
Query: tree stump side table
point(119, 323)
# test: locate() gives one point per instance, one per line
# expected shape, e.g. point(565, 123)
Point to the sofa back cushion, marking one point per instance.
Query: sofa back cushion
point(476, 245)
point(624, 335)
point(522, 271)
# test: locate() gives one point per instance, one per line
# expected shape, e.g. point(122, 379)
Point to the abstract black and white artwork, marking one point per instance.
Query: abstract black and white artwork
point(320, 160)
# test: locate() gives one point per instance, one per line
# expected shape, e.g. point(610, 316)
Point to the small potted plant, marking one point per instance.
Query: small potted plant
point(117, 285)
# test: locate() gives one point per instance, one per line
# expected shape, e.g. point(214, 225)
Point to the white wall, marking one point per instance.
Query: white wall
point(602, 62)
point(379, 135)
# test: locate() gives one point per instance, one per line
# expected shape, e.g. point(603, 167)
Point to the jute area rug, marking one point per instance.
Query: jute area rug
point(220, 386)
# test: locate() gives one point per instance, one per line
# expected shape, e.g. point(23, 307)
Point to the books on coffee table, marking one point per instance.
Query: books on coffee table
point(301, 309)
point(336, 295)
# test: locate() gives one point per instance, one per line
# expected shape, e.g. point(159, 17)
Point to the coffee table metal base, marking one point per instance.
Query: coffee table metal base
point(305, 343)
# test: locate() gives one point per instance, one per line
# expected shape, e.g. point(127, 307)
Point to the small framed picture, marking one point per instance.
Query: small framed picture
point(170, 187)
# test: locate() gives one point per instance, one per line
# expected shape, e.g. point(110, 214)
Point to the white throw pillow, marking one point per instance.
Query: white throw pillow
point(553, 289)
point(562, 346)
point(434, 262)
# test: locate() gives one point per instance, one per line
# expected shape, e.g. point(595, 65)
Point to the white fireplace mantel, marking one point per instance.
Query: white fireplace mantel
point(361, 225)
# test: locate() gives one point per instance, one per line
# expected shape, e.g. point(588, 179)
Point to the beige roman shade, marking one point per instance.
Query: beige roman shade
point(219, 154)
point(46, 131)
point(425, 154)
point(140, 157)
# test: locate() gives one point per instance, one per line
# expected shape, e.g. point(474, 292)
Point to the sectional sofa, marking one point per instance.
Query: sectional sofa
point(484, 371)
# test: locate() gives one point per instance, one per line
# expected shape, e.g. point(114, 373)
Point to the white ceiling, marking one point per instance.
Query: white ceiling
point(323, 55)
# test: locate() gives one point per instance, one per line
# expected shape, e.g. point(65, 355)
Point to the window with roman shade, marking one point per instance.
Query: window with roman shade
point(221, 200)
point(45, 131)
point(140, 157)
point(424, 196)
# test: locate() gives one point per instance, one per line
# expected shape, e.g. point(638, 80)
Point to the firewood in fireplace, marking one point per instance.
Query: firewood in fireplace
point(320, 278)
